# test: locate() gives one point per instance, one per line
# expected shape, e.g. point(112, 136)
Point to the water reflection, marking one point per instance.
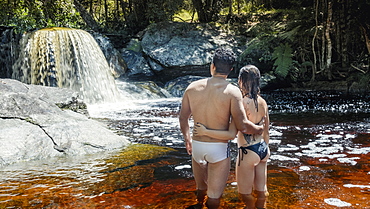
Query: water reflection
point(319, 159)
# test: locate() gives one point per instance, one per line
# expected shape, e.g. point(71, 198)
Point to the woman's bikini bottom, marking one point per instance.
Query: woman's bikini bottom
point(260, 149)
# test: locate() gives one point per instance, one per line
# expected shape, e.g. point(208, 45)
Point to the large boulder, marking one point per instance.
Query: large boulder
point(33, 126)
point(175, 49)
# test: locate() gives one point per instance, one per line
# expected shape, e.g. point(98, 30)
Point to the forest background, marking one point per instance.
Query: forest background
point(299, 41)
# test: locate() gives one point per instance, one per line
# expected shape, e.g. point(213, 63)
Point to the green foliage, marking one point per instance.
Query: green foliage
point(185, 16)
point(134, 45)
point(257, 46)
point(283, 59)
point(162, 10)
point(30, 15)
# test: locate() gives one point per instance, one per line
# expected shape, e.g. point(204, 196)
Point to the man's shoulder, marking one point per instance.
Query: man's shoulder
point(197, 83)
point(232, 89)
point(232, 86)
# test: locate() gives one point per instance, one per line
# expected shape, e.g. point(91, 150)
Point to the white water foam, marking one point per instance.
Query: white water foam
point(337, 202)
point(182, 167)
point(304, 168)
point(357, 186)
point(283, 158)
point(348, 160)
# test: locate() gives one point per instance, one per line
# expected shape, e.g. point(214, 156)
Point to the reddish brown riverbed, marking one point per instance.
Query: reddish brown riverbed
point(289, 188)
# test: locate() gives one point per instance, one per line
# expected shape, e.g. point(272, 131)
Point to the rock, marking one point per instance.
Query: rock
point(136, 64)
point(116, 62)
point(177, 49)
point(176, 87)
point(33, 127)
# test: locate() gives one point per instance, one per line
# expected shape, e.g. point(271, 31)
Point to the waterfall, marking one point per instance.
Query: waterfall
point(66, 58)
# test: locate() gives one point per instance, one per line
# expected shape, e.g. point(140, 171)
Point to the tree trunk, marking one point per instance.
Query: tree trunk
point(344, 35)
point(91, 6)
point(106, 11)
point(323, 45)
point(366, 36)
point(314, 69)
point(230, 8)
point(328, 40)
point(89, 20)
point(117, 11)
point(206, 9)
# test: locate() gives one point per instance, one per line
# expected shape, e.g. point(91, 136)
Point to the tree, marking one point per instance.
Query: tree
point(88, 18)
point(338, 24)
point(208, 10)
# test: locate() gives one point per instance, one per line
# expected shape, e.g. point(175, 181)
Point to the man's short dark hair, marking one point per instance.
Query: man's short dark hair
point(224, 59)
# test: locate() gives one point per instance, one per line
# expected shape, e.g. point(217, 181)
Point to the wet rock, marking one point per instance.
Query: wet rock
point(179, 49)
point(33, 127)
point(177, 86)
point(137, 64)
point(116, 62)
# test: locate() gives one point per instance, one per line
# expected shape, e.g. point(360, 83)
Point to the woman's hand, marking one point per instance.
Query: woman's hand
point(199, 130)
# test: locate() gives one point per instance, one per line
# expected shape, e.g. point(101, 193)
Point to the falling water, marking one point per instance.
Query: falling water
point(66, 58)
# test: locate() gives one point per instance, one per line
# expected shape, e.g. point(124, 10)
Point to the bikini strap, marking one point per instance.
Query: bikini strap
point(242, 150)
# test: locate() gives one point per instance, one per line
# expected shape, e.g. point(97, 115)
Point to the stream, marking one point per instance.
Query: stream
point(320, 159)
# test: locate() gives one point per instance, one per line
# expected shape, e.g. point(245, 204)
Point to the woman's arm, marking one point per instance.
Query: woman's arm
point(201, 130)
point(266, 134)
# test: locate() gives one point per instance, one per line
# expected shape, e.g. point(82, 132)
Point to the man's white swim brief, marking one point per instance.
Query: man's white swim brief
point(211, 152)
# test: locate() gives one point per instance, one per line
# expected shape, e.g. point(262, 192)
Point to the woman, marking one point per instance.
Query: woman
point(251, 169)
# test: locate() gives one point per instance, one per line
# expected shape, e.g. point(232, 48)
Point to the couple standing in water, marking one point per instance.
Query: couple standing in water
point(221, 111)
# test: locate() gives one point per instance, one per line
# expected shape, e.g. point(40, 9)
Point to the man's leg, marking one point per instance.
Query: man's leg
point(200, 176)
point(217, 177)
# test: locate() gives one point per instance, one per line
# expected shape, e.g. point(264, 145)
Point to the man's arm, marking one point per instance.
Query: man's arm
point(185, 113)
point(251, 128)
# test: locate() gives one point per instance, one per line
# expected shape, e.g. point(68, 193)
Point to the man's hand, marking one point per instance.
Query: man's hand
point(188, 146)
point(253, 128)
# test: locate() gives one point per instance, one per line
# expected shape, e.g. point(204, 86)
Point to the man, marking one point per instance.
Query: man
point(212, 102)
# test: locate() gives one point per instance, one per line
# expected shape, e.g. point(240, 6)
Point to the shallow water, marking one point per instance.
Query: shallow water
point(320, 159)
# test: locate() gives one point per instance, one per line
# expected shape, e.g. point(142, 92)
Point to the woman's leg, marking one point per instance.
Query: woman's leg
point(245, 175)
point(260, 182)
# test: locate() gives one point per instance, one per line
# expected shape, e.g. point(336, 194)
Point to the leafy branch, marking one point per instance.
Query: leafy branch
point(283, 59)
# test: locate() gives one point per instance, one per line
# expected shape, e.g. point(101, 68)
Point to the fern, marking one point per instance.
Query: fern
point(283, 59)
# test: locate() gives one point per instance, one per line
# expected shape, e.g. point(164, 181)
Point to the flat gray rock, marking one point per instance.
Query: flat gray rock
point(33, 127)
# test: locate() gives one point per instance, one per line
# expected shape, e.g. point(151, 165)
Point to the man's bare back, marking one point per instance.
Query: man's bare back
point(210, 102)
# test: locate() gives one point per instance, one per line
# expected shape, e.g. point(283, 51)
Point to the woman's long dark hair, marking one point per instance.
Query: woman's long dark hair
point(249, 76)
